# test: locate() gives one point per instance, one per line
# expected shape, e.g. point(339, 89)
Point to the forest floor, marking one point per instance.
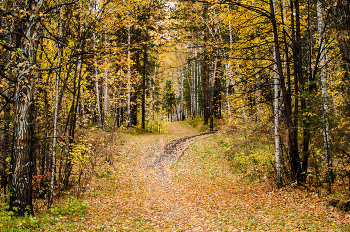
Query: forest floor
point(160, 182)
point(188, 186)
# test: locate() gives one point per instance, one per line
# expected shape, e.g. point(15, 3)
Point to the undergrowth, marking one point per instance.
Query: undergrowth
point(198, 123)
point(51, 219)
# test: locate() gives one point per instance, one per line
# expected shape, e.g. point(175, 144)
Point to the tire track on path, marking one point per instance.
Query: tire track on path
point(173, 151)
point(166, 195)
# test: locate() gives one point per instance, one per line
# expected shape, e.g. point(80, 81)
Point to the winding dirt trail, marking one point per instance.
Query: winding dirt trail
point(155, 184)
point(168, 193)
point(146, 197)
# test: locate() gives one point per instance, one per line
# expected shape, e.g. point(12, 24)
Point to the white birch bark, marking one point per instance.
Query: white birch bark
point(58, 74)
point(276, 112)
point(97, 88)
point(326, 137)
point(276, 126)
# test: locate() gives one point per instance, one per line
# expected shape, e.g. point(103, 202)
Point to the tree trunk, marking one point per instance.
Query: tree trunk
point(135, 93)
point(216, 95)
point(276, 115)
point(206, 72)
point(97, 89)
point(5, 149)
point(206, 89)
point(21, 178)
point(293, 126)
point(144, 86)
point(105, 90)
point(58, 75)
point(129, 80)
point(292, 131)
point(326, 137)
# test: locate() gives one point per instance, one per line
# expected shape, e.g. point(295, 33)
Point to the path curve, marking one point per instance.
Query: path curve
point(150, 187)
point(173, 150)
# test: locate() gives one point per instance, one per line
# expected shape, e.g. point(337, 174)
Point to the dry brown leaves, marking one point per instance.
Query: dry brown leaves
point(199, 193)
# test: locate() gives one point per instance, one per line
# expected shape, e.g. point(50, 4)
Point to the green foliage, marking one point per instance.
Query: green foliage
point(197, 123)
point(157, 126)
point(248, 155)
point(9, 222)
point(169, 99)
point(73, 207)
point(80, 155)
point(253, 166)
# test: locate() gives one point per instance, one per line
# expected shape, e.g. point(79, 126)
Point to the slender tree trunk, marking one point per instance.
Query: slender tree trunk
point(151, 88)
point(97, 89)
point(326, 137)
point(182, 114)
point(129, 80)
point(276, 112)
point(206, 73)
point(292, 130)
point(5, 151)
point(216, 91)
point(105, 90)
point(182, 110)
point(302, 88)
point(206, 90)
point(58, 74)
point(134, 96)
point(144, 86)
point(193, 89)
point(229, 76)
point(72, 122)
point(199, 80)
point(293, 126)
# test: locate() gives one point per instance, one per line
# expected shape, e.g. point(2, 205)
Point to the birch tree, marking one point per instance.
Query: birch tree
point(27, 41)
point(323, 74)
point(54, 140)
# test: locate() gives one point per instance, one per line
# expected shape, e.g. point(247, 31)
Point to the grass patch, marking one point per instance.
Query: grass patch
point(249, 154)
point(186, 125)
point(197, 123)
point(59, 217)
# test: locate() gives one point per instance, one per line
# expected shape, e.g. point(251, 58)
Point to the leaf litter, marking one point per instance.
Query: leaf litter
point(190, 187)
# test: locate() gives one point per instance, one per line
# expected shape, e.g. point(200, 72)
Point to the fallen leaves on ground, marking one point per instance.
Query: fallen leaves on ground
point(198, 192)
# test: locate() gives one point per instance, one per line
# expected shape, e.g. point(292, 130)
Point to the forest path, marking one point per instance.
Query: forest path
point(145, 164)
point(156, 184)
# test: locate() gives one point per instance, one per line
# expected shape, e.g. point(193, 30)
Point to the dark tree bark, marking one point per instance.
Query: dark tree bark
point(206, 71)
point(135, 93)
point(144, 86)
point(206, 90)
point(6, 141)
point(216, 95)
